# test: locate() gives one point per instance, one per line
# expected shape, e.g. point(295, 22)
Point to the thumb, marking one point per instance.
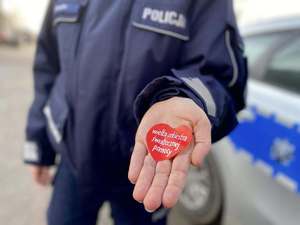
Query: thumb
point(199, 153)
point(202, 134)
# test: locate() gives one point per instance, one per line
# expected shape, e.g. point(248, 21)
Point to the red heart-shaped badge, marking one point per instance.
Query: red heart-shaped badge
point(165, 142)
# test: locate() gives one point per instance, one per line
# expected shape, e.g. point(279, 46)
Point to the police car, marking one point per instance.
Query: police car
point(253, 176)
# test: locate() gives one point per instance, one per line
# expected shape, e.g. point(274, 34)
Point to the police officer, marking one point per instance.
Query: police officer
point(107, 71)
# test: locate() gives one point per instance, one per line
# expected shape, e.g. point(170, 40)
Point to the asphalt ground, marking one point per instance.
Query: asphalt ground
point(21, 201)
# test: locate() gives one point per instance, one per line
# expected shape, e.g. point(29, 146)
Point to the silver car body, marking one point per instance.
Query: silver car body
point(259, 162)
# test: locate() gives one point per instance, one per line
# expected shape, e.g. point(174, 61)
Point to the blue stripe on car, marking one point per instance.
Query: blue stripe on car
point(260, 136)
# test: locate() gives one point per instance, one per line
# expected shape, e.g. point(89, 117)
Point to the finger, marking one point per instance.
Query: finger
point(41, 178)
point(35, 172)
point(177, 179)
point(199, 153)
point(145, 179)
point(202, 133)
point(45, 176)
point(154, 196)
point(137, 161)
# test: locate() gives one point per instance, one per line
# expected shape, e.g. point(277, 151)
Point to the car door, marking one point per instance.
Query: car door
point(269, 130)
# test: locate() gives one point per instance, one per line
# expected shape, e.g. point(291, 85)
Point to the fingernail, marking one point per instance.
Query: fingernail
point(149, 211)
point(132, 182)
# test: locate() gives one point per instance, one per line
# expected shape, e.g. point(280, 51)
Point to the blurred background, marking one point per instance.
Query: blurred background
point(23, 203)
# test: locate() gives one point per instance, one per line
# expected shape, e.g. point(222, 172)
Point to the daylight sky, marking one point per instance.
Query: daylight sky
point(255, 10)
point(31, 12)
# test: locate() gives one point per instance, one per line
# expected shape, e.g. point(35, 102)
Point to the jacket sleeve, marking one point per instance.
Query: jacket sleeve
point(37, 149)
point(212, 69)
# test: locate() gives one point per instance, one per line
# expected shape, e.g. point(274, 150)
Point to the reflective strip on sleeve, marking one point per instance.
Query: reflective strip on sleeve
point(31, 152)
point(161, 31)
point(232, 58)
point(197, 85)
point(64, 20)
point(55, 132)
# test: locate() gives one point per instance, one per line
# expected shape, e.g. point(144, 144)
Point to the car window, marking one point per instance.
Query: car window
point(258, 45)
point(284, 68)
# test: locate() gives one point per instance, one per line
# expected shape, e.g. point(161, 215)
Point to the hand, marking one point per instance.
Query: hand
point(162, 182)
point(41, 174)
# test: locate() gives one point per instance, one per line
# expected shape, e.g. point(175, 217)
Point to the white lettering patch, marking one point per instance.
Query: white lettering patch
point(164, 17)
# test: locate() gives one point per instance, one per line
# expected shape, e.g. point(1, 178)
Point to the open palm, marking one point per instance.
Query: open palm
point(162, 182)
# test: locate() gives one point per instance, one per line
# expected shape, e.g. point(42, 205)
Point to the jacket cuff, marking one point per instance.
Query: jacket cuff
point(38, 154)
point(162, 89)
point(179, 85)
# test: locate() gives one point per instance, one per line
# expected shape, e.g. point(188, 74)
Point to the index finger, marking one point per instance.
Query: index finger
point(137, 161)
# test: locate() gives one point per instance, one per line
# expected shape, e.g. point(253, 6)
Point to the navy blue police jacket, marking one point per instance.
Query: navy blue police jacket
point(100, 65)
